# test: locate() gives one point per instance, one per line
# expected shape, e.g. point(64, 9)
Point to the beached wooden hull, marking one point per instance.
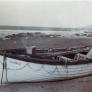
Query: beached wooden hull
point(20, 71)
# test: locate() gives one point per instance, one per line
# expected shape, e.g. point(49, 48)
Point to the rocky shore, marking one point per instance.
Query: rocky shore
point(85, 34)
point(39, 40)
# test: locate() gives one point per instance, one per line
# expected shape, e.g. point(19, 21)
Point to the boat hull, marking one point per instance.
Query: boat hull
point(21, 71)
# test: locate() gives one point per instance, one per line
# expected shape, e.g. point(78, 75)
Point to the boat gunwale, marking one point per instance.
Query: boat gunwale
point(36, 60)
point(48, 61)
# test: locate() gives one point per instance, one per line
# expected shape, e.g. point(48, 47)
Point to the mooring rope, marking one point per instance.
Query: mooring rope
point(66, 67)
point(4, 69)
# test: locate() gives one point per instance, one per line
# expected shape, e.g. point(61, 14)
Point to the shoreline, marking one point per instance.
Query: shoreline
point(45, 42)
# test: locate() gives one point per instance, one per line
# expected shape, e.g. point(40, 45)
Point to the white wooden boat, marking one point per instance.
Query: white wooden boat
point(24, 68)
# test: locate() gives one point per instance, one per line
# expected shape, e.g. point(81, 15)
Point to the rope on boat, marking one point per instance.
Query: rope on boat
point(42, 66)
point(66, 67)
point(4, 69)
point(8, 68)
point(18, 68)
point(51, 72)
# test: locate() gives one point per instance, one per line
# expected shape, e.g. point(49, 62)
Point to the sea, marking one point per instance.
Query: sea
point(69, 33)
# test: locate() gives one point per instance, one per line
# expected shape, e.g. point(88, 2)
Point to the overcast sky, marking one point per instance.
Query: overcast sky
point(47, 13)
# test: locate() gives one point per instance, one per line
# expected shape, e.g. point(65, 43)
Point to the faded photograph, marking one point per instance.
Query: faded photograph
point(45, 46)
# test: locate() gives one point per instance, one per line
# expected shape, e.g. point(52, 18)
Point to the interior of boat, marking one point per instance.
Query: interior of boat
point(50, 56)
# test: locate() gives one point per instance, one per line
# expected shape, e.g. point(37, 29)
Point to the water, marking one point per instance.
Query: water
point(3, 33)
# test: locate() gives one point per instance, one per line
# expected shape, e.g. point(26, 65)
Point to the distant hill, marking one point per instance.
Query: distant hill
point(89, 27)
point(3, 27)
point(6, 27)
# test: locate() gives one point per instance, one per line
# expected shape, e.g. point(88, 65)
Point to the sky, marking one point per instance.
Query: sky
point(44, 13)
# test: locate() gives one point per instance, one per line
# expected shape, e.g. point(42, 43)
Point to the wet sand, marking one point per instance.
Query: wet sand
point(45, 42)
point(74, 85)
